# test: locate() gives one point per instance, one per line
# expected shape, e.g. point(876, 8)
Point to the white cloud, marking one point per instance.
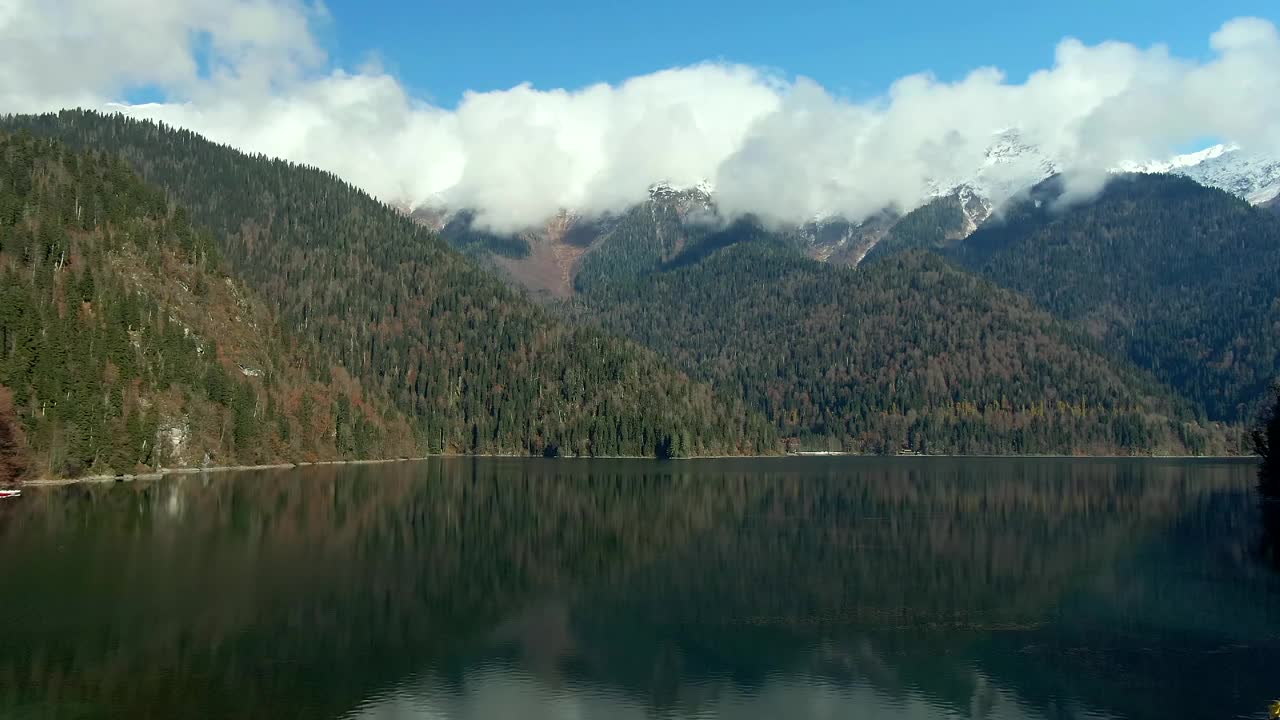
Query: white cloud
point(59, 51)
point(251, 73)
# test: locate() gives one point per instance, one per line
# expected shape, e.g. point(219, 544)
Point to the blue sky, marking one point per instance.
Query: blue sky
point(439, 49)
point(247, 73)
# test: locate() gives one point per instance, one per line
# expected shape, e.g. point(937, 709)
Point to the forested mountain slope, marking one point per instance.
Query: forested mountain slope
point(570, 253)
point(473, 364)
point(908, 352)
point(937, 225)
point(1183, 280)
point(123, 344)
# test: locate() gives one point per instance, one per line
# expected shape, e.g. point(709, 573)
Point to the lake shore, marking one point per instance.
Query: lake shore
point(165, 472)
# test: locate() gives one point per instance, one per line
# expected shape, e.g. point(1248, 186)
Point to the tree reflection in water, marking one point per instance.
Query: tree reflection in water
point(1266, 442)
point(738, 588)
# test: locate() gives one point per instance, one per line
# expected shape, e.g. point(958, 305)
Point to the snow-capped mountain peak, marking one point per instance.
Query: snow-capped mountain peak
point(1007, 147)
point(1255, 178)
point(1252, 177)
point(1179, 162)
point(663, 188)
point(1012, 164)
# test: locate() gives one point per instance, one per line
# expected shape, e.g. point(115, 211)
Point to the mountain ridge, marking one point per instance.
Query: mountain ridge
point(1181, 278)
point(474, 365)
point(125, 344)
point(910, 352)
point(540, 261)
point(683, 333)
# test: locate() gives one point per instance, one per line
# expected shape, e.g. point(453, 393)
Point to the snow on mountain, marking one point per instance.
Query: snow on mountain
point(1010, 165)
point(1178, 162)
point(1013, 164)
point(702, 190)
point(975, 206)
point(1255, 178)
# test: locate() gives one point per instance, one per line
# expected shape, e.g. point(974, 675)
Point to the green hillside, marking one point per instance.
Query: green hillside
point(473, 365)
point(936, 225)
point(907, 353)
point(124, 345)
point(1182, 279)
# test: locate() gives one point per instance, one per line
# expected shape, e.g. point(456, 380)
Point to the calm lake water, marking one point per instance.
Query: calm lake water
point(788, 588)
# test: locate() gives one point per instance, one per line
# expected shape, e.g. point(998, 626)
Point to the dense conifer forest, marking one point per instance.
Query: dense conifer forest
point(936, 225)
point(124, 345)
point(909, 353)
point(1181, 279)
point(474, 366)
point(337, 327)
point(1158, 272)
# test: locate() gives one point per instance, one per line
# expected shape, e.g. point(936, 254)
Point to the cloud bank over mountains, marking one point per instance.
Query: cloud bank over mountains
point(253, 74)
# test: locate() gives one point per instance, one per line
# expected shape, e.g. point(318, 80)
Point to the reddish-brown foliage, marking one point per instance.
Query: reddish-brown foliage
point(13, 456)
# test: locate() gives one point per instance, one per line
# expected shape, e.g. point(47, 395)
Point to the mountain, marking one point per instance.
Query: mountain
point(689, 333)
point(1009, 165)
point(937, 225)
point(1209, 355)
point(1012, 164)
point(549, 259)
point(1251, 177)
point(955, 207)
point(124, 344)
point(908, 352)
point(1180, 278)
point(571, 252)
point(473, 366)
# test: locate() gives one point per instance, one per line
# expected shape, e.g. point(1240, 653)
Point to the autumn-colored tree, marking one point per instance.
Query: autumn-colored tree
point(441, 355)
point(13, 460)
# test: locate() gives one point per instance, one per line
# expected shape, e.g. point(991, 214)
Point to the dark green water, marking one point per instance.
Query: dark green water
point(790, 588)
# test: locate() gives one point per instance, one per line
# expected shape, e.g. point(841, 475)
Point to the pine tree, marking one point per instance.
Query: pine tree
point(1266, 443)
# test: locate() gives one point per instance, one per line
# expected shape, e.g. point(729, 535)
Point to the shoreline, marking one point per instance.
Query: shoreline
point(166, 472)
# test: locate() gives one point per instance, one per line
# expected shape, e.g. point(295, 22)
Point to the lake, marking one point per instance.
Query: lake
point(782, 588)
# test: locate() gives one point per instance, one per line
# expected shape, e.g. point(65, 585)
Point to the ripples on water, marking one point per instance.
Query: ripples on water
point(814, 588)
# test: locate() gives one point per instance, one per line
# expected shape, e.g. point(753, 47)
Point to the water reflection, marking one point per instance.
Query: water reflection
point(488, 589)
point(1269, 507)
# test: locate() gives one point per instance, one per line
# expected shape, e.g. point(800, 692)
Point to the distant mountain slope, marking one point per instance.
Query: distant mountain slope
point(1251, 177)
point(939, 224)
point(123, 344)
point(548, 259)
point(474, 365)
point(570, 253)
point(1182, 279)
point(554, 259)
point(907, 352)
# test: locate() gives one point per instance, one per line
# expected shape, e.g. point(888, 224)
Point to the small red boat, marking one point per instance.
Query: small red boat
point(9, 493)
